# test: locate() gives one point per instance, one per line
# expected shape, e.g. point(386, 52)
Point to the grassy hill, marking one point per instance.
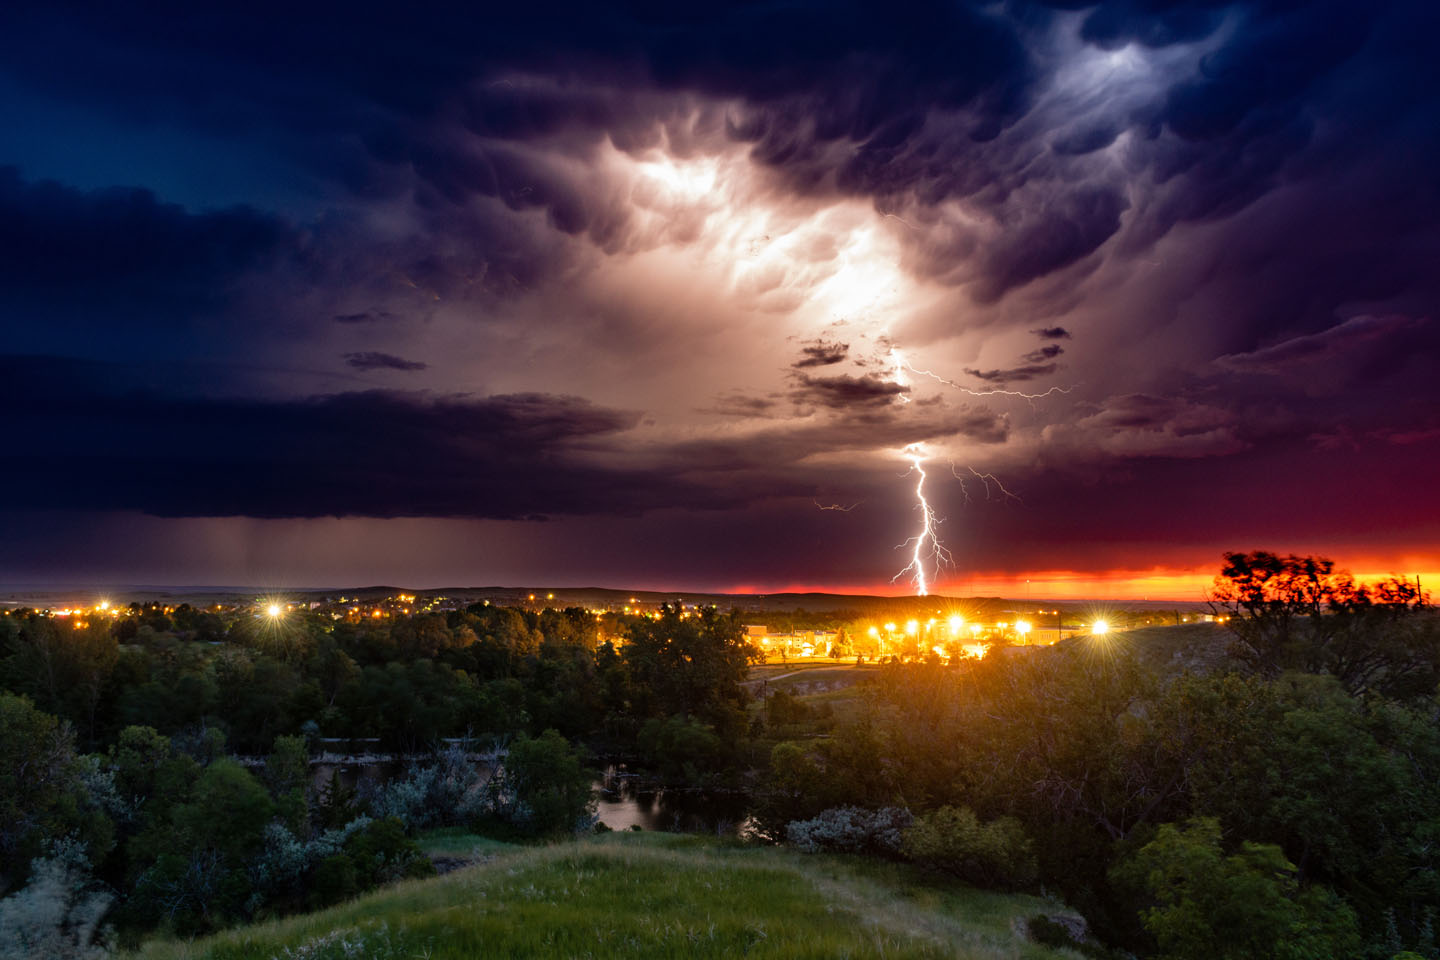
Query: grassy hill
point(648, 895)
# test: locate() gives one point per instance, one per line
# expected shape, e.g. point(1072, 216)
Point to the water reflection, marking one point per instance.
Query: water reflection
point(627, 800)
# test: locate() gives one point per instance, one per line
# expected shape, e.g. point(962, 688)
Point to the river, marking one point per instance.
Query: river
point(624, 800)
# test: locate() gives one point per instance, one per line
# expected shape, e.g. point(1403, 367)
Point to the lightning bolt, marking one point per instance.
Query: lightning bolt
point(987, 479)
point(901, 364)
point(924, 544)
point(837, 506)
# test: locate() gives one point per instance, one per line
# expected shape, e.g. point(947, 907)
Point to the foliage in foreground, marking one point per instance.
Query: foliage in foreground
point(648, 895)
point(1318, 762)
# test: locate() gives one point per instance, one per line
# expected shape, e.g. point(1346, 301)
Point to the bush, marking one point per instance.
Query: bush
point(851, 830)
point(335, 865)
point(382, 854)
point(445, 791)
point(990, 854)
point(542, 789)
point(1246, 905)
point(53, 917)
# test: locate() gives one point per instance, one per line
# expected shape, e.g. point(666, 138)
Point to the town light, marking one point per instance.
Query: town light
point(273, 611)
point(956, 622)
point(912, 627)
point(1099, 627)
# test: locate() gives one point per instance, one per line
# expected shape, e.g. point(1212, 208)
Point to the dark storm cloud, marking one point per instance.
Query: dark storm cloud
point(374, 360)
point(124, 250)
point(370, 453)
point(843, 391)
point(737, 404)
point(913, 105)
point(1234, 199)
point(1070, 226)
point(392, 454)
point(1013, 374)
point(368, 316)
point(1044, 353)
point(1343, 343)
point(821, 353)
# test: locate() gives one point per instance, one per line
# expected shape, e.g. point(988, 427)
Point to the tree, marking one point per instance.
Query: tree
point(1245, 906)
point(1300, 613)
point(42, 791)
point(543, 788)
point(287, 774)
point(198, 877)
point(683, 665)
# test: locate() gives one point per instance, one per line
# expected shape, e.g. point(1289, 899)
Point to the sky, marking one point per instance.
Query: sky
point(683, 296)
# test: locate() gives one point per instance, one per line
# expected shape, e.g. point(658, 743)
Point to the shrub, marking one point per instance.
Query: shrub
point(53, 917)
point(444, 791)
point(851, 830)
point(1246, 905)
point(543, 789)
point(1048, 933)
point(988, 854)
point(682, 747)
point(382, 853)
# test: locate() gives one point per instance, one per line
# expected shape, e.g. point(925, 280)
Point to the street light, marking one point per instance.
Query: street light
point(273, 611)
point(1099, 628)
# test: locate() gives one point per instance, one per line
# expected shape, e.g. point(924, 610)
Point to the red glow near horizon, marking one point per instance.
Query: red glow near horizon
point(1180, 585)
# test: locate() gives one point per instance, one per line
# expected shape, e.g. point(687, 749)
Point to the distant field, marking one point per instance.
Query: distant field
point(776, 667)
point(649, 895)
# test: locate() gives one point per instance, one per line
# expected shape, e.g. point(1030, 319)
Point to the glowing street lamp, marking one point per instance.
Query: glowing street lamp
point(956, 622)
point(1022, 627)
point(1099, 628)
point(912, 627)
point(273, 611)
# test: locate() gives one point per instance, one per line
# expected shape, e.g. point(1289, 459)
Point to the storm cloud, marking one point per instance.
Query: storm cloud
point(720, 260)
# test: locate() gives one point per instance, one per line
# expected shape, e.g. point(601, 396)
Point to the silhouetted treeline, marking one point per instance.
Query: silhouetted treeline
point(409, 681)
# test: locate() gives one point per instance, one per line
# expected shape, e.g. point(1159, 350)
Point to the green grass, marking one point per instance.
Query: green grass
point(459, 842)
point(648, 895)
